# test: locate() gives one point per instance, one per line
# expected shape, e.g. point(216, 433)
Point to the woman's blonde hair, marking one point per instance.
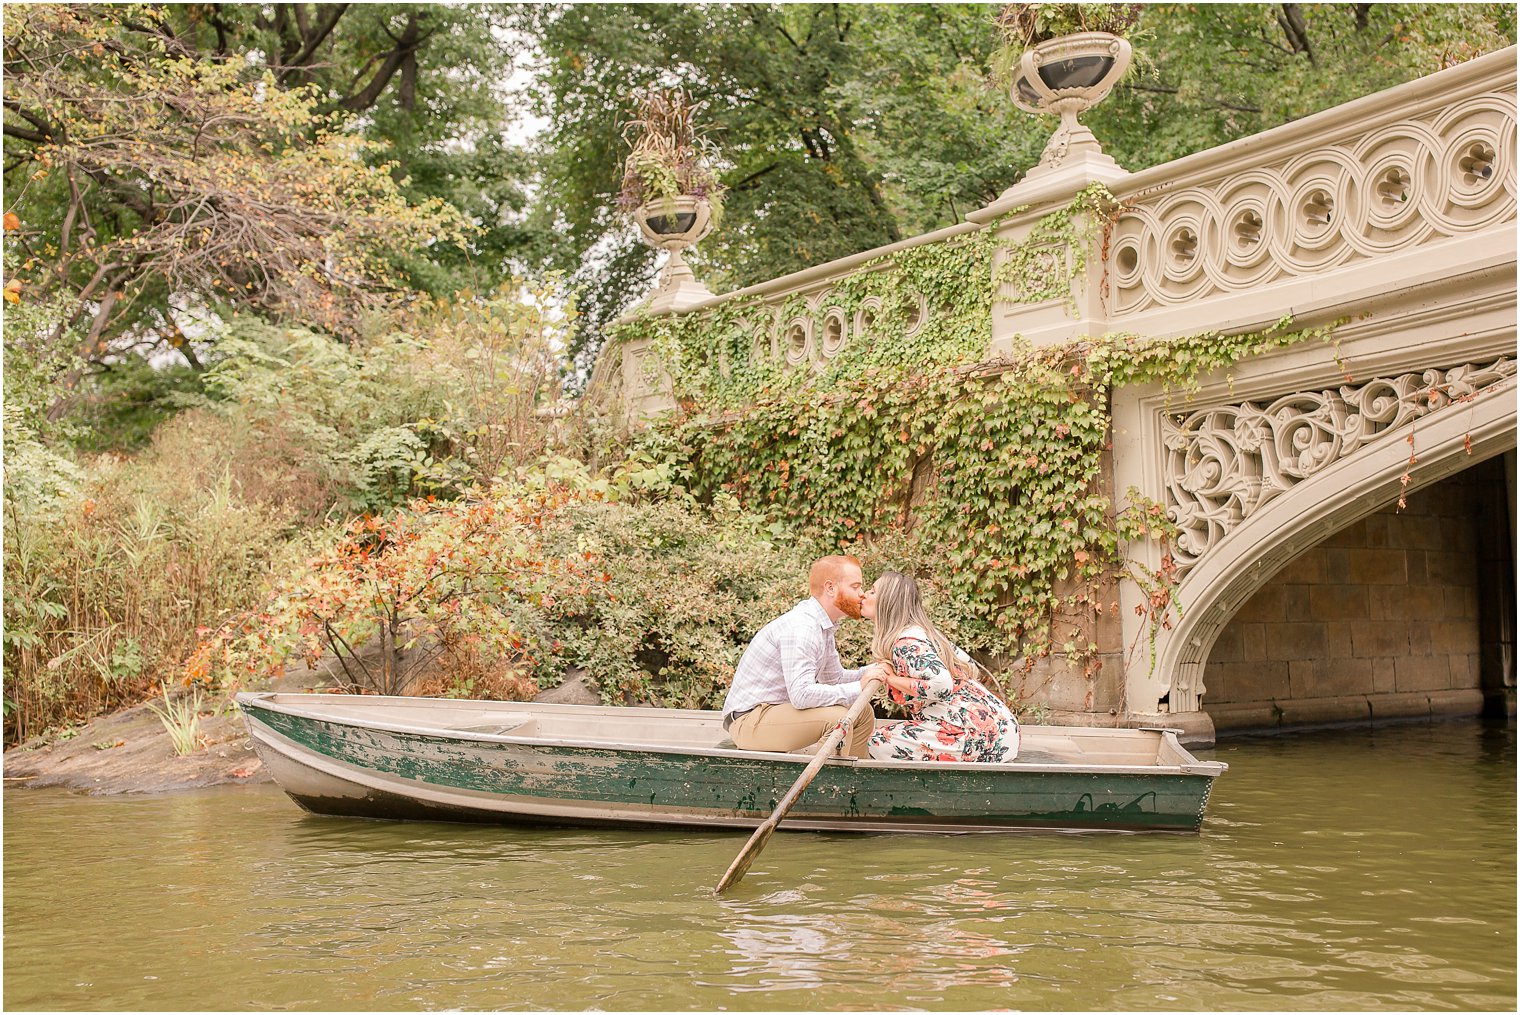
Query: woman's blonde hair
point(899, 606)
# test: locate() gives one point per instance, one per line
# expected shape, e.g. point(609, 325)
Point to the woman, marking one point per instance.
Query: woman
point(951, 716)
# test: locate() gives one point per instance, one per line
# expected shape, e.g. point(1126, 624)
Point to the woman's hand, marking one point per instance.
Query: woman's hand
point(887, 673)
point(882, 671)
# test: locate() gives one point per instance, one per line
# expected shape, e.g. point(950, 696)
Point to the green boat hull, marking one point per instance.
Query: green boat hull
point(346, 767)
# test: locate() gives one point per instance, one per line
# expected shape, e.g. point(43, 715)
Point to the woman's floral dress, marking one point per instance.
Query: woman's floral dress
point(949, 719)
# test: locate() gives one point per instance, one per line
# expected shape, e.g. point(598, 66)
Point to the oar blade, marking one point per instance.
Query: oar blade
point(740, 866)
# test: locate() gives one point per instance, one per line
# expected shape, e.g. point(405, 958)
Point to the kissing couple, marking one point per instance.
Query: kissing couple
point(790, 690)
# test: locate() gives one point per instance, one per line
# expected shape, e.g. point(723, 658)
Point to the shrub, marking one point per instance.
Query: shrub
point(496, 593)
point(426, 580)
point(686, 589)
point(445, 397)
point(622, 574)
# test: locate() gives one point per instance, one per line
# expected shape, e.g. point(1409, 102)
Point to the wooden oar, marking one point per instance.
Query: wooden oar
point(756, 843)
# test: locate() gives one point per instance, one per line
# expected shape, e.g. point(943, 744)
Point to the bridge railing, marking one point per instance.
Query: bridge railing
point(1413, 183)
point(1383, 188)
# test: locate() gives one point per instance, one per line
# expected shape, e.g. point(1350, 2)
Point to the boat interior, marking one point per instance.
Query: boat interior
point(686, 728)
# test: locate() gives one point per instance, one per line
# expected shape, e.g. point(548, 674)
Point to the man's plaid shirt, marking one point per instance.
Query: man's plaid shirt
point(793, 659)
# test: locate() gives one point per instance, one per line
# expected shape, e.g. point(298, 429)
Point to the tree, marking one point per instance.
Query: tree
point(164, 159)
point(1211, 73)
point(427, 79)
point(156, 178)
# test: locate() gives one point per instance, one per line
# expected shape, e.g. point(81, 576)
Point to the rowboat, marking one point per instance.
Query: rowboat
point(547, 764)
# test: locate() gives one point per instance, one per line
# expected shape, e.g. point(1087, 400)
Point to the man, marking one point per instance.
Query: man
point(790, 689)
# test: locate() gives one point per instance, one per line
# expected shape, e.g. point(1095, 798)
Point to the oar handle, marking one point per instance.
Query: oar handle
point(740, 866)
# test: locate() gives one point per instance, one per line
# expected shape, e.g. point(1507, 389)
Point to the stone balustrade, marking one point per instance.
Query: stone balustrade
point(1309, 215)
point(1273, 217)
point(630, 376)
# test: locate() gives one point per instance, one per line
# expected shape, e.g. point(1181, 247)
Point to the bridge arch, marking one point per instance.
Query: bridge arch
point(1336, 496)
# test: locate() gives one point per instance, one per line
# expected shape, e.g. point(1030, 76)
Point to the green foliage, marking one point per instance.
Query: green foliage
point(685, 592)
point(709, 355)
point(343, 420)
point(118, 405)
point(1207, 74)
point(450, 401)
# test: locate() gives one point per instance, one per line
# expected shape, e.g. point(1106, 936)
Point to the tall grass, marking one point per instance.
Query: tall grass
point(104, 593)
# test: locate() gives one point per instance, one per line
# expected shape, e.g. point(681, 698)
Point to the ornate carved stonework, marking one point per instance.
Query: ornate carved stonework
point(1224, 463)
point(820, 332)
point(1373, 191)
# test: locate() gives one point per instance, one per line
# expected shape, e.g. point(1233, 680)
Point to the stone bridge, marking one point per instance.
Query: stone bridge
point(1346, 510)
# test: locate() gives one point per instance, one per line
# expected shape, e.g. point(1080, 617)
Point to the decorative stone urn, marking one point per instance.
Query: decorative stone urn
point(1070, 75)
point(674, 225)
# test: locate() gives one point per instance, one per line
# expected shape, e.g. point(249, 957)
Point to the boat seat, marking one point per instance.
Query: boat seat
point(1034, 756)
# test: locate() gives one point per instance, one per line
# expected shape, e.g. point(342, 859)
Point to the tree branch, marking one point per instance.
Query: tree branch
point(329, 20)
point(1292, 21)
point(12, 130)
point(47, 130)
point(749, 181)
point(409, 42)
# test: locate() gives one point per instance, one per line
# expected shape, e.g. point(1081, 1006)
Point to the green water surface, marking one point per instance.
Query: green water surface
point(1367, 869)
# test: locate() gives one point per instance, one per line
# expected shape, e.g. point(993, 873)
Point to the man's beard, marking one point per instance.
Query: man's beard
point(847, 604)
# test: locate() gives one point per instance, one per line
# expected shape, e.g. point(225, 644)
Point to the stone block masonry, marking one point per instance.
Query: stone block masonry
point(1379, 620)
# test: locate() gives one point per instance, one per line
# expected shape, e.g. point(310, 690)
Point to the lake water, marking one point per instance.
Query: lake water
point(1369, 869)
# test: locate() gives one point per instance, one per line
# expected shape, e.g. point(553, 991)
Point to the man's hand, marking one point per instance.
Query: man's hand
point(879, 670)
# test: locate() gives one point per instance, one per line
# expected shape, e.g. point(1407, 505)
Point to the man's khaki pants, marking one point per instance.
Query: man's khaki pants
point(784, 728)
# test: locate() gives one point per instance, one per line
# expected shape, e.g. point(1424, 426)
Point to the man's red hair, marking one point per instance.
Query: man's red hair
point(829, 569)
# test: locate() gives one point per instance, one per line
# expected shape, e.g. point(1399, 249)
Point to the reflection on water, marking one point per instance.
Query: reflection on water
point(1370, 870)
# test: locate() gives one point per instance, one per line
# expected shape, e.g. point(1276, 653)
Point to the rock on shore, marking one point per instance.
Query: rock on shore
point(130, 752)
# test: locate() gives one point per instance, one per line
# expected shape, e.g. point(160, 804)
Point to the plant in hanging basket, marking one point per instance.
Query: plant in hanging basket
point(669, 158)
point(1025, 26)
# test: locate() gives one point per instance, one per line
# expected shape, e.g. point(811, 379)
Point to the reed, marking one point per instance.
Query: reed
point(181, 719)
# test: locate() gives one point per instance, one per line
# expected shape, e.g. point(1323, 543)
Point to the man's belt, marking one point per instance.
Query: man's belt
point(733, 717)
